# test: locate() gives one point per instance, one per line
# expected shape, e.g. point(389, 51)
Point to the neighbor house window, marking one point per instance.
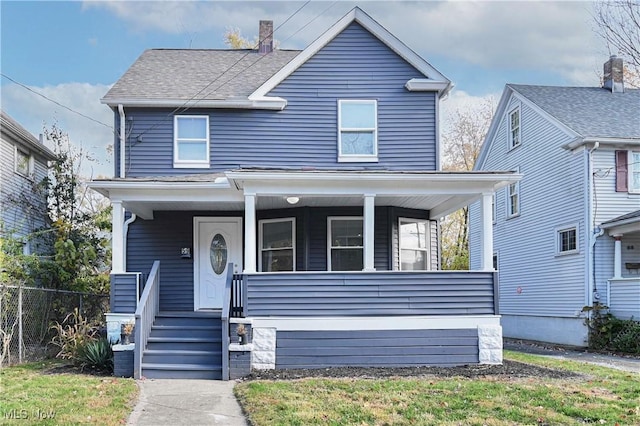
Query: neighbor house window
point(513, 199)
point(24, 163)
point(567, 239)
point(514, 128)
point(277, 245)
point(345, 249)
point(357, 130)
point(634, 171)
point(191, 141)
point(414, 245)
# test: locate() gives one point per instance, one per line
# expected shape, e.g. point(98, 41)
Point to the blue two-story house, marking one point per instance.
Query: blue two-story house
point(298, 193)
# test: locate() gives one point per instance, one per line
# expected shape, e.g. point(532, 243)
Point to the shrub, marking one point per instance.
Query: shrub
point(610, 333)
point(98, 355)
point(73, 336)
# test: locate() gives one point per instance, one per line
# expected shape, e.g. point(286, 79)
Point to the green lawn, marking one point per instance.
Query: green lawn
point(39, 394)
point(600, 396)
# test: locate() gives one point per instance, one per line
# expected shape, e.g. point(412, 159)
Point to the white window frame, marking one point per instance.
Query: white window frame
point(358, 157)
point(329, 244)
point(402, 220)
point(518, 193)
point(510, 138)
point(558, 239)
point(30, 166)
point(261, 249)
point(191, 164)
point(632, 167)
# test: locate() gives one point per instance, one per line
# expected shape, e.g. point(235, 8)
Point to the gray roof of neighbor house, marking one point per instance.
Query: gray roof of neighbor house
point(589, 111)
point(11, 129)
point(623, 218)
point(207, 74)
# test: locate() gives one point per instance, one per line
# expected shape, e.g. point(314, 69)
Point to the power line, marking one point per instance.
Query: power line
point(184, 107)
point(57, 103)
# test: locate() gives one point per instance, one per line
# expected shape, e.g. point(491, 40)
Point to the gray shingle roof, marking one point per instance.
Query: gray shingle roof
point(632, 215)
point(589, 111)
point(179, 74)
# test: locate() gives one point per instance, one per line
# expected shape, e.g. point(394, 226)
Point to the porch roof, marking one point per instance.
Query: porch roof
point(439, 192)
point(629, 222)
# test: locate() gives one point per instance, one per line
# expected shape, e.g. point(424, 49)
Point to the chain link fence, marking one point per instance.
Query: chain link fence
point(27, 314)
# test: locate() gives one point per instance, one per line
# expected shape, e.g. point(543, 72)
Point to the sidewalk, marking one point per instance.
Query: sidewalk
point(186, 402)
point(575, 354)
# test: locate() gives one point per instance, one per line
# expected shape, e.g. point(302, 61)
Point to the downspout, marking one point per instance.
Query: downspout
point(125, 232)
point(590, 226)
point(123, 136)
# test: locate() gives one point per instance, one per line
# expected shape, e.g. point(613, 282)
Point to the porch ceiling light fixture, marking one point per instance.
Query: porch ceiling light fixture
point(293, 200)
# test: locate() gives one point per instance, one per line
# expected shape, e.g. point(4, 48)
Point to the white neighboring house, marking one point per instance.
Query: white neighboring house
point(568, 234)
point(24, 166)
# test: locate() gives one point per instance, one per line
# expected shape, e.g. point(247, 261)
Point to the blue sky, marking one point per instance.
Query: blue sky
point(73, 51)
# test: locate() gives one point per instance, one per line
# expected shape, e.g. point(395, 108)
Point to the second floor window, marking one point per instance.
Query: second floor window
point(634, 171)
point(514, 128)
point(513, 199)
point(24, 163)
point(357, 130)
point(191, 141)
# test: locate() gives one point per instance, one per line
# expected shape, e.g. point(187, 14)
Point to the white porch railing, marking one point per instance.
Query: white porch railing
point(146, 312)
point(623, 296)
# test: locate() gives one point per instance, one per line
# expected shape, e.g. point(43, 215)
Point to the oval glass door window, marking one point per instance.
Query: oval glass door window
point(218, 254)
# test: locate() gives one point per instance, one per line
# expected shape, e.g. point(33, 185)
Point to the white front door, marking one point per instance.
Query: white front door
point(217, 242)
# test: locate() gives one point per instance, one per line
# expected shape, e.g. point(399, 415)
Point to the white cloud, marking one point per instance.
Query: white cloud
point(459, 100)
point(551, 36)
point(35, 113)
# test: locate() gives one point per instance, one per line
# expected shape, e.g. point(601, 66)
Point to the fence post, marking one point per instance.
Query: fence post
point(80, 307)
point(20, 324)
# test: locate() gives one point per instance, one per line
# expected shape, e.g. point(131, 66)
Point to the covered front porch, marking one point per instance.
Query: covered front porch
point(623, 290)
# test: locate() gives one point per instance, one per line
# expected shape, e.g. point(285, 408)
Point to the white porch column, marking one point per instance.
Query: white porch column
point(617, 257)
point(369, 230)
point(486, 255)
point(249, 233)
point(117, 237)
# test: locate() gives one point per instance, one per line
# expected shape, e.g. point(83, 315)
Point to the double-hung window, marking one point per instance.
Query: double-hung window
point(634, 171)
point(191, 141)
point(357, 130)
point(345, 239)
point(414, 245)
point(277, 245)
point(24, 163)
point(567, 240)
point(514, 128)
point(513, 199)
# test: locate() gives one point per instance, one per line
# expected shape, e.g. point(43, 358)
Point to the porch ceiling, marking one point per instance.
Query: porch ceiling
point(440, 193)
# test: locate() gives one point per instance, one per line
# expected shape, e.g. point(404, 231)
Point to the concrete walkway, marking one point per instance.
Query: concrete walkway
point(186, 402)
point(560, 352)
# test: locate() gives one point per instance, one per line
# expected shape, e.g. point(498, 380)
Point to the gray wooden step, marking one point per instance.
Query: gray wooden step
point(204, 331)
point(181, 357)
point(181, 371)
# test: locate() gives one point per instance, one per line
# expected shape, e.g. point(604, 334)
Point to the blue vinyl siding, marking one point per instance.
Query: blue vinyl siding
point(370, 294)
point(162, 238)
point(123, 293)
point(354, 65)
point(376, 348)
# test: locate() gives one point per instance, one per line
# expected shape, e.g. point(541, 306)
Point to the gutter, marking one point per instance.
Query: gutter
point(123, 136)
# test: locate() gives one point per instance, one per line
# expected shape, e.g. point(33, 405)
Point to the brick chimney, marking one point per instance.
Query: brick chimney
point(265, 38)
point(613, 70)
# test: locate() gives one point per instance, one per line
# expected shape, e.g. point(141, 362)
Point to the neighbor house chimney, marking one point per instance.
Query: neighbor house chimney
point(265, 38)
point(613, 70)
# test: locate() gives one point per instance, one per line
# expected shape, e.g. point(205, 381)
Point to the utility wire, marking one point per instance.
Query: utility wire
point(57, 103)
point(184, 107)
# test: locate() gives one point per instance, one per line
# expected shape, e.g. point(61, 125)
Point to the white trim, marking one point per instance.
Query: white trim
point(494, 208)
point(558, 240)
point(427, 236)
point(261, 235)
point(197, 220)
point(381, 33)
point(330, 246)
point(117, 238)
point(249, 232)
point(178, 163)
point(510, 140)
point(358, 157)
point(578, 142)
point(264, 102)
point(443, 322)
point(426, 85)
point(631, 167)
point(486, 233)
